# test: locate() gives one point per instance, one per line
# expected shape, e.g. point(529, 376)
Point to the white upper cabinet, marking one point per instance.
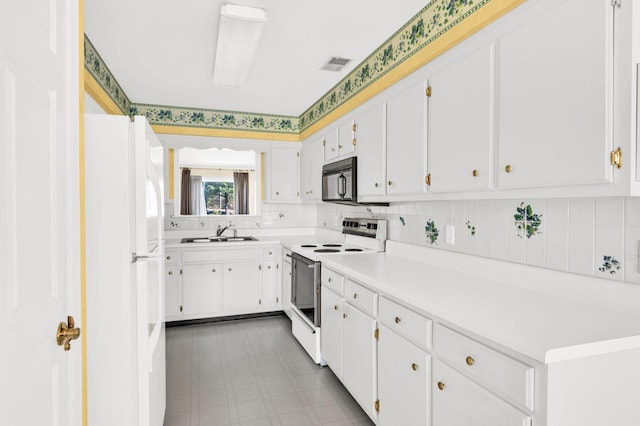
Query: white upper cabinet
point(311, 159)
point(371, 146)
point(555, 97)
point(284, 167)
point(461, 123)
point(330, 143)
point(406, 142)
point(347, 132)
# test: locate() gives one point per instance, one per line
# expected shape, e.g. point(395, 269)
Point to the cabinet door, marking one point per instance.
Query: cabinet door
point(283, 172)
point(286, 287)
point(359, 357)
point(331, 330)
point(311, 159)
point(241, 285)
point(458, 401)
point(330, 143)
point(404, 381)
point(172, 292)
point(371, 145)
point(461, 124)
point(406, 142)
point(271, 285)
point(346, 137)
point(201, 288)
point(555, 97)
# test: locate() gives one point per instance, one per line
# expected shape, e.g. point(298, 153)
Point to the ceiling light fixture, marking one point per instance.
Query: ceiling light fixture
point(238, 37)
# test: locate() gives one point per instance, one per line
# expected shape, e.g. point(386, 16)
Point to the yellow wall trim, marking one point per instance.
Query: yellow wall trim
point(238, 134)
point(98, 94)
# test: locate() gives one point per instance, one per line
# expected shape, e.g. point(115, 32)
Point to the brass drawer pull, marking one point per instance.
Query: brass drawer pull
point(470, 361)
point(335, 307)
point(355, 295)
point(414, 366)
point(170, 272)
point(440, 385)
point(508, 168)
point(398, 320)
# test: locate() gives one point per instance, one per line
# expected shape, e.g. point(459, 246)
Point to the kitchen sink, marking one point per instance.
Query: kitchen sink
point(218, 239)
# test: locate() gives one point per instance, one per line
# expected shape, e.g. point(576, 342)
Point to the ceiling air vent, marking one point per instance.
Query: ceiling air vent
point(335, 64)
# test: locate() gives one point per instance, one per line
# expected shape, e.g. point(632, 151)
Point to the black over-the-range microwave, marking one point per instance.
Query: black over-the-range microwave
point(340, 182)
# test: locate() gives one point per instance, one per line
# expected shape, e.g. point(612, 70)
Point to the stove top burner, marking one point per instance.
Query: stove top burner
point(332, 245)
point(327, 250)
point(353, 249)
point(308, 245)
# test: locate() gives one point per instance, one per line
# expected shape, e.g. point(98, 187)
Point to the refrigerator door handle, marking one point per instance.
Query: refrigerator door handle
point(135, 257)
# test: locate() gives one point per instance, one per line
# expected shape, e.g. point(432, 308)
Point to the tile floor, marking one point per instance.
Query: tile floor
point(251, 372)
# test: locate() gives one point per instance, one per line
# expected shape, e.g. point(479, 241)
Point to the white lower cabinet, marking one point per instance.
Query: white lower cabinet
point(404, 381)
point(271, 285)
point(222, 281)
point(331, 330)
point(201, 288)
point(348, 339)
point(458, 401)
point(359, 358)
point(172, 299)
point(241, 285)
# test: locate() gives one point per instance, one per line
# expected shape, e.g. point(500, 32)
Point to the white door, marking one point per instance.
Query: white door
point(39, 214)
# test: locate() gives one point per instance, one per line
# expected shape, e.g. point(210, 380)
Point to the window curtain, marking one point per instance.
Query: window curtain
point(185, 192)
point(241, 189)
point(197, 196)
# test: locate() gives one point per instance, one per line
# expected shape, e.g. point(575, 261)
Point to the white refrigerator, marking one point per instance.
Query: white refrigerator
point(125, 331)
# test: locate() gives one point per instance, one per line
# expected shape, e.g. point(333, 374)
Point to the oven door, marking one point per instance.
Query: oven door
point(305, 287)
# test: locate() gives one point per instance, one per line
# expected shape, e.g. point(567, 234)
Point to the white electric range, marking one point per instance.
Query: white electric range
point(360, 236)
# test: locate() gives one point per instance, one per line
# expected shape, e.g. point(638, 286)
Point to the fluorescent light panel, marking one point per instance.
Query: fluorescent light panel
point(238, 37)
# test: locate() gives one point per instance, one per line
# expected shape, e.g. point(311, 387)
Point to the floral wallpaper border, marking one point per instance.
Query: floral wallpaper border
point(99, 70)
point(217, 119)
point(430, 23)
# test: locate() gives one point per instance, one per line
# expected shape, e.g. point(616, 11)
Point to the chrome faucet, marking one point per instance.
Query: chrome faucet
point(220, 230)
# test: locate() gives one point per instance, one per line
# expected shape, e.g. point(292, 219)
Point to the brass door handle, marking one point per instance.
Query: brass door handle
point(66, 333)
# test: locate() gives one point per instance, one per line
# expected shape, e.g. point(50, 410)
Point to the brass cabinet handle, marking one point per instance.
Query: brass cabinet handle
point(344, 315)
point(414, 366)
point(66, 333)
point(229, 269)
point(398, 320)
point(508, 168)
point(469, 361)
point(354, 127)
point(376, 184)
point(277, 193)
point(440, 385)
point(339, 146)
point(269, 267)
point(329, 280)
point(390, 183)
point(354, 141)
point(355, 295)
point(168, 257)
point(213, 270)
point(170, 272)
point(335, 307)
point(474, 173)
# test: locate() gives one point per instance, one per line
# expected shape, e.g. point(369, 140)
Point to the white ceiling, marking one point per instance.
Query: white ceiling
point(162, 52)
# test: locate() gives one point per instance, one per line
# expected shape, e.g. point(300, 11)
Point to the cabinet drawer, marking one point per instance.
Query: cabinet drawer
point(171, 257)
point(361, 297)
point(458, 401)
point(405, 322)
point(506, 376)
point(332, 280)
point(217, 255)
point(270, 253)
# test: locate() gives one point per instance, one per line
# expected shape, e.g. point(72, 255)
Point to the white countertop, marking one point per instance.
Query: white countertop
point(546, 327)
